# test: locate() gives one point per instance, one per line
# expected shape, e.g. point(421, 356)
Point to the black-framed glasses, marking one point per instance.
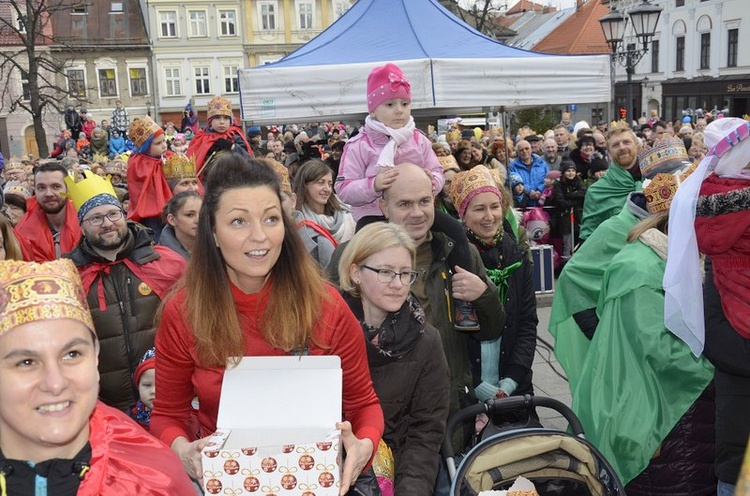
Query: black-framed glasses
point(98, 220)
point(386, 276)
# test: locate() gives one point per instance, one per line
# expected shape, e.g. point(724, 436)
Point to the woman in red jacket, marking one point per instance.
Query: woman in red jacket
point(251, 289)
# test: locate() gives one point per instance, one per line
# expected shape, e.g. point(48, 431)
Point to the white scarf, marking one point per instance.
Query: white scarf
point(398, 137)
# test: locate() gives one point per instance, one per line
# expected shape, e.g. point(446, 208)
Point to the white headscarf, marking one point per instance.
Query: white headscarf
point(729, 153)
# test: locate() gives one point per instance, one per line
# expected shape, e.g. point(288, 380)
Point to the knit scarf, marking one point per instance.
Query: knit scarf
point(398, 138)
point(334, 224)
point(400, 330)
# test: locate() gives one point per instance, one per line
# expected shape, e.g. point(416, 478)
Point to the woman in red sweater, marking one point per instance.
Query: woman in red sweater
point(252, 289)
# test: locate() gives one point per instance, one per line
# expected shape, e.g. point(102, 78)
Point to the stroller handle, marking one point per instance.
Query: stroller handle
point(507, 404)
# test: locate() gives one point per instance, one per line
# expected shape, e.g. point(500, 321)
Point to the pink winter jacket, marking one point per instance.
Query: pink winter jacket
point(356, 179)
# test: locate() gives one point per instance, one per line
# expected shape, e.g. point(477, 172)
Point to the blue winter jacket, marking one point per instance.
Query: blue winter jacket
point(533, 177)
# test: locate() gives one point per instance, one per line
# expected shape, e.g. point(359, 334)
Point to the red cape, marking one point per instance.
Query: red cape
point(35, 237)
point(203, 141)
point(125, 459)
point(160, 274)
point(148, 188)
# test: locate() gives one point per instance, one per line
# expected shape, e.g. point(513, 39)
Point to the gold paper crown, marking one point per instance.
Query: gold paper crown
point(219, 106)
point(663, 187)
point(141, 130)
point(113, 168)
point(87, 188)
point(16, 188)
point(31, 292)
point(179, 167)
point(282, 172)
point(14, 164)
point(100, 159)
point(449, 163)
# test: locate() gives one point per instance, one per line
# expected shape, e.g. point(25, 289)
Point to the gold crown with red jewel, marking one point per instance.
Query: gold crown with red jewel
point(662, 189)
point(31, 292)
point(178, 166)
point(219, 106)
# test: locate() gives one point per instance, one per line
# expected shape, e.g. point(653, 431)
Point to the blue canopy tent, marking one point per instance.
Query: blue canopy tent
point(452, 68)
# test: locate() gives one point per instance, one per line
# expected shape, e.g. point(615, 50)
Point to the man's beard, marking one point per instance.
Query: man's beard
point(117, 242)
point(53, 210)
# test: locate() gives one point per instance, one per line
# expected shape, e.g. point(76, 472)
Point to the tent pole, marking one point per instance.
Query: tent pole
point(505, 143)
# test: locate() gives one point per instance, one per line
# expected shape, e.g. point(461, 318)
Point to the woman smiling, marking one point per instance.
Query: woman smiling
point(247, 265)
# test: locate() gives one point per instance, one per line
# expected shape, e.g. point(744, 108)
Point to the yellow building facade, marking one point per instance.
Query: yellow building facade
point(275, 28)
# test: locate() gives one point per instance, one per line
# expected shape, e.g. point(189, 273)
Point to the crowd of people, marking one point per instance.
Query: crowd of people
point(167, 251)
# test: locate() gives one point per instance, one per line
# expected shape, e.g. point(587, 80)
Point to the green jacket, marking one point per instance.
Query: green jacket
point(606, 197)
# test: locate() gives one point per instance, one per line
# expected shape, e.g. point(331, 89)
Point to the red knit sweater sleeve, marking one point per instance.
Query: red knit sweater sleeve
point(174, 373)
point(361, 404)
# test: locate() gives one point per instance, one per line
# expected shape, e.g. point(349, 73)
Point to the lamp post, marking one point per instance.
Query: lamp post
point(644, 18)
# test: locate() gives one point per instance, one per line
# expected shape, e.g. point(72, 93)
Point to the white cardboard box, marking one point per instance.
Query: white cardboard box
point(276, 428)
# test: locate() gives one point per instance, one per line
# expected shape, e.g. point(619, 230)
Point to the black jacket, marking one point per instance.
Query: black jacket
point(412, 387)
point(729, 352)
point(126, 325)
point(568, 193)
point(518, 343)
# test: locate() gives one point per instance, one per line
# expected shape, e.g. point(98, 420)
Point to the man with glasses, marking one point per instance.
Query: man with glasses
point(125, 279)
point(49, 228)
point(409, 202)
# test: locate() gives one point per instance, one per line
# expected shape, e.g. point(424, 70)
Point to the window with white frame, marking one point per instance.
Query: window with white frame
point(340, 8)
point(267, 16)
point(305, 11)
point(138, 81)
point(168, 24)
point(231, 79)
point(228, 23)
point(25, 91)
point(172, 82)
point(76, 82)
point(107, 81)
point(197, 23)
point(202, 80)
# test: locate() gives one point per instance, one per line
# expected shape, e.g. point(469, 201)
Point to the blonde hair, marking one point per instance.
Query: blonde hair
point(10, 242)
point(369, 240)
point(659, 221)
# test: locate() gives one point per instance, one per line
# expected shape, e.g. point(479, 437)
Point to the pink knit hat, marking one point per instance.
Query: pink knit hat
point(386, 83)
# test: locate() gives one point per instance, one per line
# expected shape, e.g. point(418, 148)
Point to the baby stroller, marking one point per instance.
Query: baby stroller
point(558, 463)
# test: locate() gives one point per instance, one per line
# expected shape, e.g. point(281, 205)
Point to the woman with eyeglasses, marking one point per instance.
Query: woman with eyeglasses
point(407, 364)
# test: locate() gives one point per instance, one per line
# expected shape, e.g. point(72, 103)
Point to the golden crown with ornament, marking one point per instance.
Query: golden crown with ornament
point(661, 190)
point(141, 129)
point(219, 106)
point(178, 166)
point(14, 164)
point(31, 292)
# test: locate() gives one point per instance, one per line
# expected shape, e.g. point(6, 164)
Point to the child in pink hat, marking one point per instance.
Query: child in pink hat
point(387, 138)
point(369, 165)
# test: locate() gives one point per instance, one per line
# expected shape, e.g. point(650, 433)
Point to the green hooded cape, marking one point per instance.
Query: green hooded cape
point(638, 379)
point(578, 289)
point(606, 197)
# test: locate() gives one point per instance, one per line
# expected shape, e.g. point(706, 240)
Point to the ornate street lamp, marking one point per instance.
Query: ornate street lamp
point(644, 18)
